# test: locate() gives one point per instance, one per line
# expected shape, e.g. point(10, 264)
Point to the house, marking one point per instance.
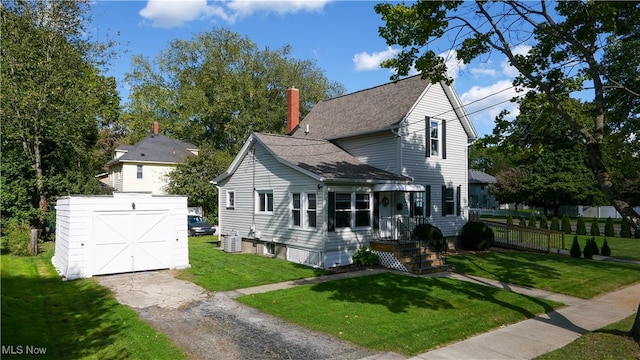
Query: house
point(479, 197)
point(360, 168)
point(143, 167)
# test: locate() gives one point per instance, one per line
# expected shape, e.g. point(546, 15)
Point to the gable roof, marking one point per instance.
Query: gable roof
point(479, 177)
point(373, 109)
point(317, 158)
point(155, 148)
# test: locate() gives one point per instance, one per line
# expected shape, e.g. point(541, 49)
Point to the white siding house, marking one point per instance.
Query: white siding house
point(358, 168)
point(143, 167)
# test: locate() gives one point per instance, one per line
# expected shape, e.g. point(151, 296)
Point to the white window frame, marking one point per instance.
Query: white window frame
point(262, 203)
point(353, 210)
point(304, 210)
point(231, 199)
point(435, 135)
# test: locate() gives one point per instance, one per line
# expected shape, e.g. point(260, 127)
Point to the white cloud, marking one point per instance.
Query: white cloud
point(365, 62)
point(454, 66)
point(175, 13)
point(482, 71)
point(484, 103)
point(509, 70)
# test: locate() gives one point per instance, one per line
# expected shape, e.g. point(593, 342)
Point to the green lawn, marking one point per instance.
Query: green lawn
point(609, 343)
point(620, 247)
point(562, 274)
point(391, 312)
point(216, 270)
point(76, 319)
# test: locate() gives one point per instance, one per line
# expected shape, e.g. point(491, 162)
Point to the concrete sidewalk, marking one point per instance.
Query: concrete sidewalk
point(534, 337)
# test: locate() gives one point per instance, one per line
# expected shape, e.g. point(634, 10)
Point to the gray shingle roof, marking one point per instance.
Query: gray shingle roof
point(156, 148)
point(323, 158)
point(479, 177)
point(364, 111)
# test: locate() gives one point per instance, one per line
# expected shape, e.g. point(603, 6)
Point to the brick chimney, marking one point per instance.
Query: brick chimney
point(156, 128)
point(293, 109)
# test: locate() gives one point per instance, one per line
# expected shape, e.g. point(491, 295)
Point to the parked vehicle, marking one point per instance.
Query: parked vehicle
point(199, 226)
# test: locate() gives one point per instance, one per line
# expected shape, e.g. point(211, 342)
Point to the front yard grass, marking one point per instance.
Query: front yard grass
point(391, 312)
point(561, 274)
point(216, 270)
point(76, 319)
point(622, 248)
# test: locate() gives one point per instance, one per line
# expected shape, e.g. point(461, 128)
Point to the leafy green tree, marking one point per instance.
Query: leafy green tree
point(53, 101)
point(509, 185)
point(595, 227)
point(217, 88)
point(192, 179)
point(564, 58)
point(581, 227)
point(608, 227)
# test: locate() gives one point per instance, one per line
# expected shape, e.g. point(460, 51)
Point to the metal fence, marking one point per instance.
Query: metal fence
point(526, 238)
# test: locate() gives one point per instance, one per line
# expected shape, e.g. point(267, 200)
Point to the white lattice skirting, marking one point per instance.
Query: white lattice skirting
point(390, 261)
point(305, 257)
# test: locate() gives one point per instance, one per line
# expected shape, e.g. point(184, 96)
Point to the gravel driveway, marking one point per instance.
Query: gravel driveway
point(214, 326)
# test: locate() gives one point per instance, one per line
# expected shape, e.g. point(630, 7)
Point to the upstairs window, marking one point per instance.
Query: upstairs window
point(435, 139)
point(139, 171)
point(436, 136)
point(231, 199)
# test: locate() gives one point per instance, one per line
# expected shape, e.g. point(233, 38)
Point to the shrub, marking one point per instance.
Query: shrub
point(17, 237)
point(608, 227)
point(555, 224)
point(566, 224)
point(594, 246)
point(432, 235)
point(575, 248)
point(522, 222)
point(532, 221)
point(595, 228)
point(476, 235)
point(588, 249)
point(365, 257)
point(625, 229)
point(636, 234)
point(544, 222)
point(581, 227)
point(510, 221)
point(605, 248)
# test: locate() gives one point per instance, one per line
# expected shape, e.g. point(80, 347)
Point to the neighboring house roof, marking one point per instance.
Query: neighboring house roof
point(479, 177)
point(155, 148)
point(378, 108)
point(317, 158)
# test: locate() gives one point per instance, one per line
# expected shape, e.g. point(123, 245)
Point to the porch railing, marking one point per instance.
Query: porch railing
point(399, 228)
point(526, 238)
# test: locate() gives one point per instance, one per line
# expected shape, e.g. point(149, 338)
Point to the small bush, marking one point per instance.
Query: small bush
point(476, 235)
point(365, 257)
point(544, 222)
point(575, 248)
point(432, 235)
point(533, 221)
point(581, 227)
point(594, 247)
point(16, 238)
point(510, 221)
point(595, 228)
point(608, 228)
point(636, 234)
point(588, 249)
point(522, 222)
point(605, 248)
point(625, 230)
point(566, 224)
point(555, 224)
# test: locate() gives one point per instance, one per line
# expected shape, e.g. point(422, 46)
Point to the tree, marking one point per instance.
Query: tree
point(565, 57)
point(53, 98)
point(509, 186)
point(217, 88)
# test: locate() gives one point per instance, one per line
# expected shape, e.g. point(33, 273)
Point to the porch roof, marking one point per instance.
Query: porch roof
point(399, 187)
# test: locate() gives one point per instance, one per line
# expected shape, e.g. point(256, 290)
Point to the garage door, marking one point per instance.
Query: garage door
point(131, 241)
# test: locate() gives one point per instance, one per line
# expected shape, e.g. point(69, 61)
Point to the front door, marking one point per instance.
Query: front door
point(386, 216)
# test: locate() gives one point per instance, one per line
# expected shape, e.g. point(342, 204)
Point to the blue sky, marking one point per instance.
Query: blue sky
point(341, 36)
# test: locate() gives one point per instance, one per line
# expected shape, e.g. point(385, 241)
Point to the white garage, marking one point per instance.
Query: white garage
point(126, 232)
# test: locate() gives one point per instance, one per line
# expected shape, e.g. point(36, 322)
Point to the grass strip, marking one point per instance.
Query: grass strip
point(391, 312)
point(561, 274)
point(76, 319)
point(622, 248)
point(216, 270)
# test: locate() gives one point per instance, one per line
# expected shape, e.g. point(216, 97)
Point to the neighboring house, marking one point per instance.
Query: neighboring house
point(479, 197)
point(143, 167)
point(362, 167)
